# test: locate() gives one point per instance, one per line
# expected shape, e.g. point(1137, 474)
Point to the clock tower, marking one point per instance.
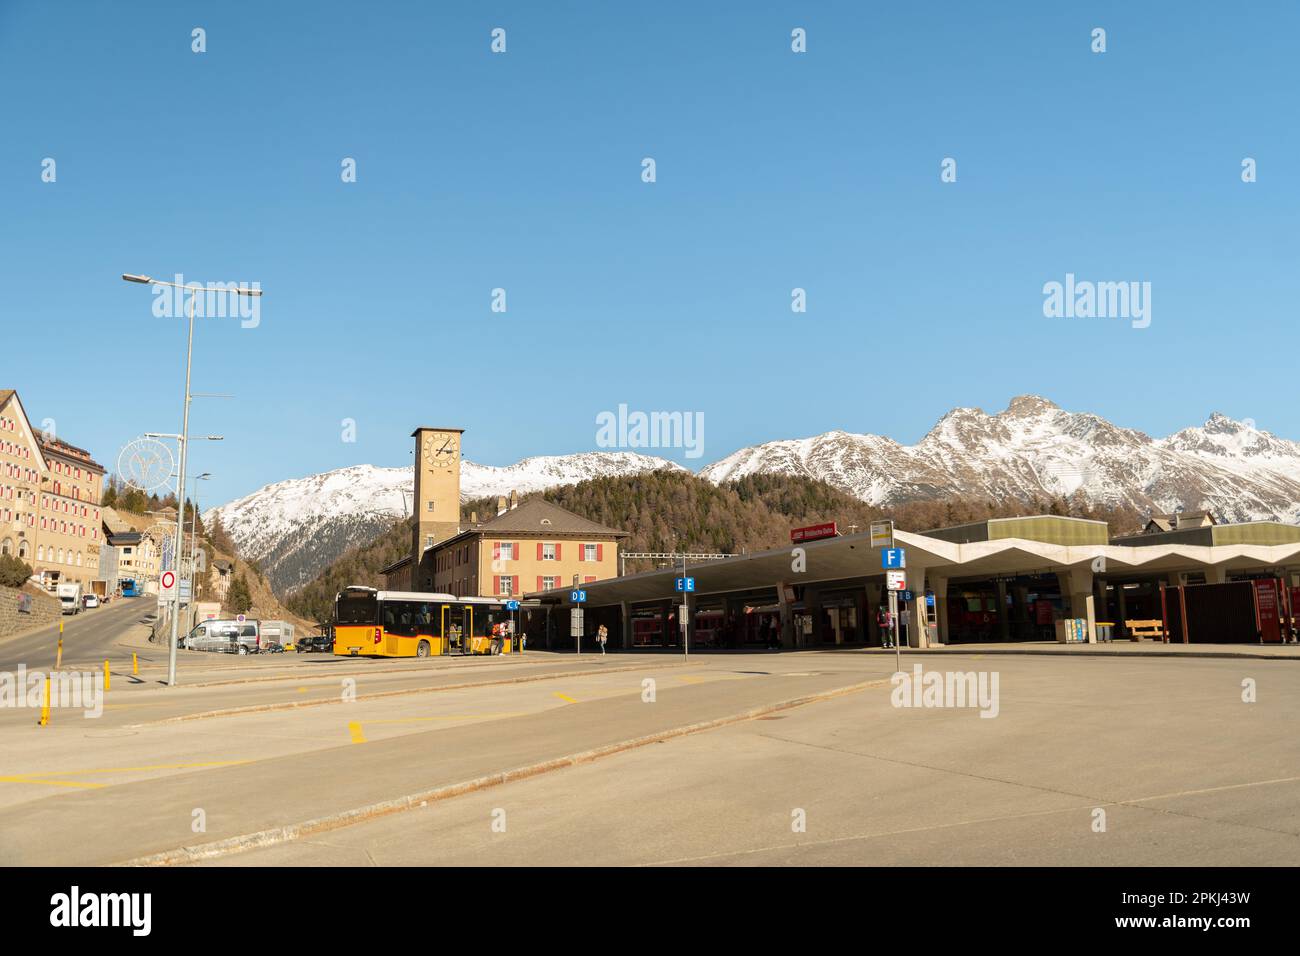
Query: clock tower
point(437, 496)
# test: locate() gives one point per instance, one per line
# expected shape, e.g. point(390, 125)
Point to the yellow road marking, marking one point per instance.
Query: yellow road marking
point(44, 778)
point(413, 720)
point(358, 737)
point(157, 766)
point(53, 783)
point(705, 678)
point(157, 703)
point(564, 697)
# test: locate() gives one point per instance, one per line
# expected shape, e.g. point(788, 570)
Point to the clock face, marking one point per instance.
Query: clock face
point(440, 448)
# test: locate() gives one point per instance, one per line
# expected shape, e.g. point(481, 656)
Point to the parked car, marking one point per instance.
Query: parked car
point(323, 642)
point(90, 600)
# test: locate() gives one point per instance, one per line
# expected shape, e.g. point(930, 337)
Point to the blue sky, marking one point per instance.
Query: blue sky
point(523, 171)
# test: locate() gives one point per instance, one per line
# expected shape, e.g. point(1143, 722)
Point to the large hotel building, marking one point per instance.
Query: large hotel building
point(49, 499)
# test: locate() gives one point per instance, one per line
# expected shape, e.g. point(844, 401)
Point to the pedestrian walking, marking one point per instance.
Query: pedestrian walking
point(886, 623)
point(602, 635)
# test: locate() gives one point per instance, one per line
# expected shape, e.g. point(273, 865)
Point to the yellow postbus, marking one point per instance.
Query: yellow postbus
point(371, 623)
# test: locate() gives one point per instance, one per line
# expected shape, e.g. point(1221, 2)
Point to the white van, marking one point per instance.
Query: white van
point(70, 598)
point(224, 637)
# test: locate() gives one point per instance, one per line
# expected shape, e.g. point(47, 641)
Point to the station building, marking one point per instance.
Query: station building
point(1004, 579)
point(535, 546)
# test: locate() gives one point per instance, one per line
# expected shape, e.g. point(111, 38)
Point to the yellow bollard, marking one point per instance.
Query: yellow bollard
point(45, 709)
point(107, 676)
point(135, 664)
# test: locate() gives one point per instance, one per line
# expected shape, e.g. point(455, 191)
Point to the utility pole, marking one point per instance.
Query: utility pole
point(184, 439)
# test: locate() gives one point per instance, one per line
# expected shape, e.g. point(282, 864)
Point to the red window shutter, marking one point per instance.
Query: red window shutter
point(496, 584)
point(514, 585)
point(600, 552)
point(557, 552)
point(582, 551)
point(539, 578)
point(496, 550)
point(539, 557)
point(517, 552)
point(588, 579)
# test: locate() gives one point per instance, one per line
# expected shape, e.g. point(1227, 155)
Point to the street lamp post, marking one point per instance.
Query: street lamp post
point(177, 548)
point(194, 290)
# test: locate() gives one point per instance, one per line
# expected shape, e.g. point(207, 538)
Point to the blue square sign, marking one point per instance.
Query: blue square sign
point(577, 597)
point(892, 558)
point(686, 584)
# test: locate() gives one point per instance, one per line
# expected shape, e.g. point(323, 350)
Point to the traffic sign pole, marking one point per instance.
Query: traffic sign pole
point(686, 611)
point(893, 626)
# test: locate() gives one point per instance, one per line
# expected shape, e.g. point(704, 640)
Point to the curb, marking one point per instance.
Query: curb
point(464, 685)
point(285, 834)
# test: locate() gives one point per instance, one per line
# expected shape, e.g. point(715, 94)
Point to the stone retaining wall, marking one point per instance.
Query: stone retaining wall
point(45, 609)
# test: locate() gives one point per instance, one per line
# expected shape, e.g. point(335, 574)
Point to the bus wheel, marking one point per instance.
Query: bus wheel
point(422, 650)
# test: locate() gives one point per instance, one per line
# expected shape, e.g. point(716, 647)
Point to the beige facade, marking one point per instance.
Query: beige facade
point(22, 471)
point(437, 487)
point(535, 546)
point(49, 500)
point(138, 542)
point(525, 548)
point(70, 526)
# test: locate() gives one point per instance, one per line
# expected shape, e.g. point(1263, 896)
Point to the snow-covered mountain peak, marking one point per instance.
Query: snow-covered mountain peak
point(295, 528)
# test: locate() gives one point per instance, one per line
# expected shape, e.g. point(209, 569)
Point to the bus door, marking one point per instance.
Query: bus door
point(453, 632)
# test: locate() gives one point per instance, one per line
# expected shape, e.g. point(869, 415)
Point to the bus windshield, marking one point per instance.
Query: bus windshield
point(356, 608)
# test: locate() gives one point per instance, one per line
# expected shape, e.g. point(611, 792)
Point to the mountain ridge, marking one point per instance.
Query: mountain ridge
point(1033, 450)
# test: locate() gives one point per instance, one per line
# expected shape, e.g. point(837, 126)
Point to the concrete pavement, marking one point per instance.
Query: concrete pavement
point(100, 791)
point(1184, 772)
point(1166, 747)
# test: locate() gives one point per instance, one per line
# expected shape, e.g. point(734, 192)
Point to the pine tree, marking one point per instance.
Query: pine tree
point(238, 599)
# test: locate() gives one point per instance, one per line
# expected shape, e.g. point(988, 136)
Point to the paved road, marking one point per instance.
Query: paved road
point(91, 635)
point(1186, 772)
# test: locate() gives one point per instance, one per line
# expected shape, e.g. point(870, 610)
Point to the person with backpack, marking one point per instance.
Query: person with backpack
point(886, 623)
point(602, 635)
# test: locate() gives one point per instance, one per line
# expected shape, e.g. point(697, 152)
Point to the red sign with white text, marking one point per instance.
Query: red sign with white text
point(1270, 631)
point(813, 532)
